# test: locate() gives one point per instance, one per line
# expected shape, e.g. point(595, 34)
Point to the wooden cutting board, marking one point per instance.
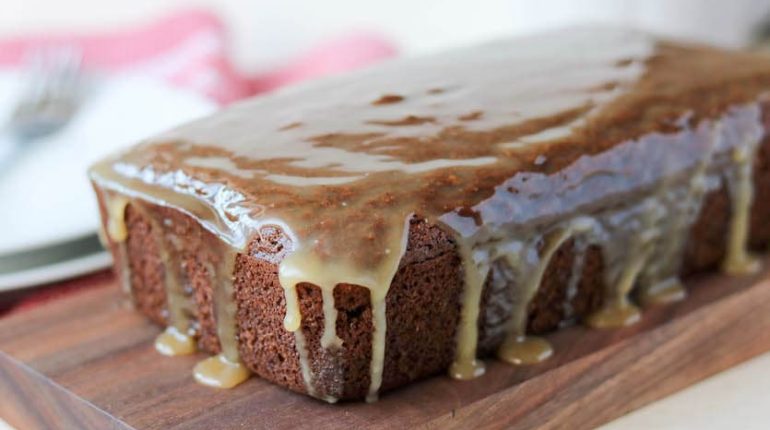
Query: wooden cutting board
point(87, 361)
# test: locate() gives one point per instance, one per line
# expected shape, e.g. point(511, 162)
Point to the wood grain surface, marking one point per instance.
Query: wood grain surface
point(87, 361)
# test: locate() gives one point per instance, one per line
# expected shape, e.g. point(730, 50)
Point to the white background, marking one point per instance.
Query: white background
point(265, 32)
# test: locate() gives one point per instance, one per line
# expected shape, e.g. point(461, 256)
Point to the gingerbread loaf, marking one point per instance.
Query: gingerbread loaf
point(352, 235)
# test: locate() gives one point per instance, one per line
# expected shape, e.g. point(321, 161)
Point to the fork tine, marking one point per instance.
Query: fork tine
point(52, 92)
point(61, 77)
point(70, 75)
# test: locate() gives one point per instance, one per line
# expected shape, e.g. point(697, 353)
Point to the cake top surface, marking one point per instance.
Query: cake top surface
point(466, 138)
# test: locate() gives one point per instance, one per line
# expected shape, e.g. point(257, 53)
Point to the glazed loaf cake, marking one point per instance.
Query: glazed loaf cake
point(355, 234)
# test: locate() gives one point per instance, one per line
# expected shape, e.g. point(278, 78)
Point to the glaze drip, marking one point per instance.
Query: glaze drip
point(580, 249)
point(174, 342)
point(226, 369)
point(642, 241)
point(304, 266)
point(659, 282)
point(476, 268)
point(518, 348)
point(178, 338)
point(116, 216)
point(626, 252)
point(220, 372)
point(114, 231)
point(739, 182)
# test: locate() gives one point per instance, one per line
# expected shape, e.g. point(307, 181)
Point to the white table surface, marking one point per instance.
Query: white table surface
point(264, 32)
point(736, 399)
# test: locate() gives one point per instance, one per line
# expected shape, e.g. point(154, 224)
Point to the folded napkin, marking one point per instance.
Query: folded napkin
point(188, 49)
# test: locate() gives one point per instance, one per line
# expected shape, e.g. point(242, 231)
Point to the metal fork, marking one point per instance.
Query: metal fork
point(48, 102)
point(52, 94)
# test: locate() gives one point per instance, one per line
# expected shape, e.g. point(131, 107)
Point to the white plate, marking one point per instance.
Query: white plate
point(45, 197)
point(52, 263)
